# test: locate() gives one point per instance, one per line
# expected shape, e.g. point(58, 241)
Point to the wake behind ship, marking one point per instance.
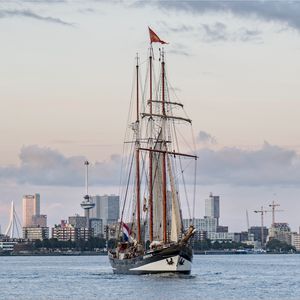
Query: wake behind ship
point(151, 234)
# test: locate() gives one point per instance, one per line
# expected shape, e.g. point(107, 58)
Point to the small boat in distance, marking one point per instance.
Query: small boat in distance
point(152, 238)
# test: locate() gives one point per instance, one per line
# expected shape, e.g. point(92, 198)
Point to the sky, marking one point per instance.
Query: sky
point(65, 86)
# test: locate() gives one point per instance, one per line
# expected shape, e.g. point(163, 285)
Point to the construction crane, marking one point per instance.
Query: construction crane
point(262, 212)
point(247, 218)
point(248, 225)
point(274, 205)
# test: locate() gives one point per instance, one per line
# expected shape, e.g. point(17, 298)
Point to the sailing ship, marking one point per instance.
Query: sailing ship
point(154, 240)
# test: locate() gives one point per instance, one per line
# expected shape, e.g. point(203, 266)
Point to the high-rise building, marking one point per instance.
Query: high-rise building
point(256, 232)
point(34, 224)
point(212, 207)
point(31, 207)
point(96, 225)
point(95, 211)
point(39, 220)
point(107, 208)
point(78, 221)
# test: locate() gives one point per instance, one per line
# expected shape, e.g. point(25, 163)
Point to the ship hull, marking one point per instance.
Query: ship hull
point(173, 259)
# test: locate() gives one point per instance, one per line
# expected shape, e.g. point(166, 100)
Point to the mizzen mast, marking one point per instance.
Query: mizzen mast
point(164, 173)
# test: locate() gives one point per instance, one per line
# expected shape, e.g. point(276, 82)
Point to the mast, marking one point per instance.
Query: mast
point(137, 157)
point(164, 173)
point(150, 155)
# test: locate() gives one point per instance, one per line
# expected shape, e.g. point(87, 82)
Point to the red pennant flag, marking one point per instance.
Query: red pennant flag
point(154, 37)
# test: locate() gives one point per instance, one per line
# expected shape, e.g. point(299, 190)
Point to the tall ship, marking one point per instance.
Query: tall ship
point(157, 174)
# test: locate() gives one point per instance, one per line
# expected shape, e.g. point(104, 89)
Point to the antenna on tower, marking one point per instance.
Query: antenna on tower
point(247, 218)
point(14, 223)
point(86, 204)
point(86, 197)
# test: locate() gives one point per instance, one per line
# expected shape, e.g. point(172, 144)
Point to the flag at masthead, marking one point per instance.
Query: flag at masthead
point(154, 37)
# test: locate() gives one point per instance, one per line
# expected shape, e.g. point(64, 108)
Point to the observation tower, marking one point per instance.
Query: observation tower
point(86, 204)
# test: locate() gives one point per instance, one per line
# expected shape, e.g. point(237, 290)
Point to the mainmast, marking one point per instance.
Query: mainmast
point(159, 162)
point(137, 156)
point(164, 173)
point(150, 153)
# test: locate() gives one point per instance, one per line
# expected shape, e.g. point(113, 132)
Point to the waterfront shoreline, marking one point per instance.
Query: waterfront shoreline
point(93, 253)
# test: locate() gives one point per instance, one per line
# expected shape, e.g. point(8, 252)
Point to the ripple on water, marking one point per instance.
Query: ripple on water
point(213, 277)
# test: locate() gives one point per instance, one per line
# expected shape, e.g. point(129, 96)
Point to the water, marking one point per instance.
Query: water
point(90, 277)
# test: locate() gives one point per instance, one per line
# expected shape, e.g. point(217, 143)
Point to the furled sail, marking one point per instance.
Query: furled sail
point(157, 193)
point(176, 222)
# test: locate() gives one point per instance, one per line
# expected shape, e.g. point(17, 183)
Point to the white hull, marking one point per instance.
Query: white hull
point(173, 259)
point(172, 264)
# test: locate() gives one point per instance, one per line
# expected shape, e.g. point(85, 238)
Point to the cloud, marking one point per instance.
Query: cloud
point(45, 166)
point(30, 14)
point(219, 32)
point(179, 49)
point(214, 32)
point(45, 1)
point(270, 165)
point(205, 138)
point(285, 12)
point(86, 10)
point(209, 32)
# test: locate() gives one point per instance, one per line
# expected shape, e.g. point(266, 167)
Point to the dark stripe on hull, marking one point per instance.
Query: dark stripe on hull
point(125, 266)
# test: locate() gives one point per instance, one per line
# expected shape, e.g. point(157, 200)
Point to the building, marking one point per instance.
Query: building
point(95, 211)
point(256, 231)
point(246, 236)
point(84, 233)
point(206, 224)
point(97, 226)
point(107, 208)
point(295, 240)
point(200, 235)
point(39, 220)
point(68, 232)
point(212, 207)
point(281, 232)
point(224, 236)
point(7, 245)
point(35, 233)
point(31, 207)
point(222, 228)
point(78, 221)
point(111, 231)
point(64, 232)
point(34, 224)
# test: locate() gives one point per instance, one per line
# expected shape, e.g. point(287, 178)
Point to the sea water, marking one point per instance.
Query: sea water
point(90, 277)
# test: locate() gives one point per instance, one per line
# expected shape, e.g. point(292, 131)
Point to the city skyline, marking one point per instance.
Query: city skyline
point(63, 78)
point(212, 205)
